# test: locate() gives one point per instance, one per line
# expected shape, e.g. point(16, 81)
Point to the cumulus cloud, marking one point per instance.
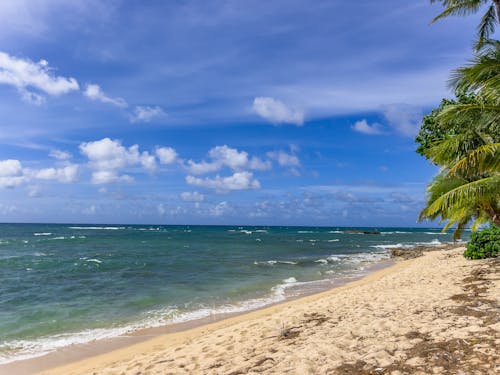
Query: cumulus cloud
point(26, 76)
point(107, 157)
point(221, 209)
point(66, 174)
point(362, 126)
point(224, 156)
point(404, 118)
point(166, 155)
point(108, 177)
point(238, 181)
point(276, 112)
point(146, 114)
point(284, 159)
point(94, 92)
point(11, 173)
point(194, 196)
point(60, 155)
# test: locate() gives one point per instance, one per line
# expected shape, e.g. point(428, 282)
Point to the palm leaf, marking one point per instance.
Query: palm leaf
point(484, 159)
point(465, 195)
point(486, 26)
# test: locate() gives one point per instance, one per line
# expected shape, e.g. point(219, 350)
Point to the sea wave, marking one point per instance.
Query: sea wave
point(274, 262)
point(26, 349)
point(42, 234)
point(97, 228)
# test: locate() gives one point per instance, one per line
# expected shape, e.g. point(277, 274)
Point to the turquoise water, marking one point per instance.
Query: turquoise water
point(64, 284)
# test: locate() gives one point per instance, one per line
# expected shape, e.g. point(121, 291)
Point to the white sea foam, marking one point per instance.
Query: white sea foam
point(391, 246)
point(334, 240)
point(395, 232)
point(42, 234)
point(246, 231)
point(274, 262)
point(261, 231)
point(305, 231)
point(169, 315)
point(437, 233)
point(336, 231)
point(97, 228)
point(434, 242)
point(94, 260)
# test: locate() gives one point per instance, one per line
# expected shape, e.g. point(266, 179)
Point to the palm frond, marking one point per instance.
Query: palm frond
point(486, 26)
point(458, 8)
point(465, 195)
point(484, 159)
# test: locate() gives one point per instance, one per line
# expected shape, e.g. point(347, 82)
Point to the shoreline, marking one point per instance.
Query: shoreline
point(431, 314)
point(80, 352)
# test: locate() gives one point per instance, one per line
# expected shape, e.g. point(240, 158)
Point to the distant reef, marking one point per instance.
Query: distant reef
point(361, 232)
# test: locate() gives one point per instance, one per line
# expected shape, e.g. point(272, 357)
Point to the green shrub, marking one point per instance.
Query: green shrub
point(484, 244)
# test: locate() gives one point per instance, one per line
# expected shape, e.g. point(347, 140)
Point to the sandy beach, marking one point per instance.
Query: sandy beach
point(433, 314)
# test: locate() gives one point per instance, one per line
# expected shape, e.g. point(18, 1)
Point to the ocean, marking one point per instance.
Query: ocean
point(69, 284)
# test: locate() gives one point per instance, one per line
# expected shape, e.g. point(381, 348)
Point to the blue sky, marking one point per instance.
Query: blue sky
point(221, 112)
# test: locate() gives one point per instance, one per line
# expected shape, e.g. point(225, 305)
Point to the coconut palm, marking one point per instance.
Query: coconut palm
point(490, 19)
point(468, 185)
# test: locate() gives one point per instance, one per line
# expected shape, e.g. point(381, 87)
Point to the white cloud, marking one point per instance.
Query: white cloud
point(224, 156)
point(238, 181)
point(109, 177)
point(221, 209)
point(60, 155)
point(26, 75)
point(166, 155)
point(11, 173)
point(192, 196)
point(276, 112)
point(162, 209)
point(403, 118)
point(66, 174)
point(362, 126)
point(94, 92)
point(34, 191)
point(284, 159)
point(146, 113)
point(108, 156)
point(202, 167)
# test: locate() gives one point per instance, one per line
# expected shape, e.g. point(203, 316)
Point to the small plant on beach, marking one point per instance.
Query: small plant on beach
point(484, 244)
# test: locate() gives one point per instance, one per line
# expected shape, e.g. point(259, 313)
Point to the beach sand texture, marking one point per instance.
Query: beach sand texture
point(432, 314)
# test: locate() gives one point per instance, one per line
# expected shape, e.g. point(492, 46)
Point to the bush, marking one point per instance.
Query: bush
point(484, 244)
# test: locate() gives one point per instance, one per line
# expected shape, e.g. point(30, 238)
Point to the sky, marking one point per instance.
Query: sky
point(276, 112)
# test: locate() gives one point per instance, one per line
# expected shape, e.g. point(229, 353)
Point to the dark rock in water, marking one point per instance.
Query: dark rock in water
point(361, 231)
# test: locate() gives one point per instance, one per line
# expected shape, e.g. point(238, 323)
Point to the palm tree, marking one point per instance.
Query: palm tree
point(468, 185)
point(488, 22)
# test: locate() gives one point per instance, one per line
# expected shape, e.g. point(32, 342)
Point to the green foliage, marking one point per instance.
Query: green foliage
point(432, 131)
point(484, 244)
point(489, 20)
point(462, 136)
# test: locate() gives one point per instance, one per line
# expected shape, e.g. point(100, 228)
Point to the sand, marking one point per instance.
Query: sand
point(432, 314)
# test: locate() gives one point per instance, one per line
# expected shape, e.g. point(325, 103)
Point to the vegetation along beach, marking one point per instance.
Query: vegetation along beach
point(249, 187)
